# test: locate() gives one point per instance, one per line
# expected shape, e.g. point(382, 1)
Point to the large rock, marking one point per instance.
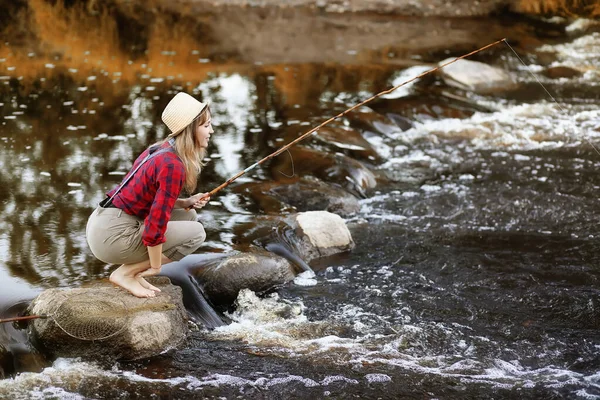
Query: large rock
point(309, 235)
point(257, 270)
point(321, 234)
point(149, 326)
point(292, 242)
point(476, 76)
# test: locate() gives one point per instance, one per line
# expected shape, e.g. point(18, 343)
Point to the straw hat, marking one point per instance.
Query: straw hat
point(181, 111)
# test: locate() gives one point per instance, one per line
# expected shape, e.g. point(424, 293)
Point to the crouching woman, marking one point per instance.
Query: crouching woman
point(143, 224)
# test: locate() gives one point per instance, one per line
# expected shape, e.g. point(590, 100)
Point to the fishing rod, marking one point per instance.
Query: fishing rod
point(362, 103)
point(25, 318)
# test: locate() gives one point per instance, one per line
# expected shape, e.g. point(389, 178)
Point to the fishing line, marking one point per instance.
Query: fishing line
point(293, 171)
point(544, 87)
point(362, 103)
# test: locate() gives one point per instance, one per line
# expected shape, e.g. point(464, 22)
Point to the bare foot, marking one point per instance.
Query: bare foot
point(130, 284)
point(146, 284)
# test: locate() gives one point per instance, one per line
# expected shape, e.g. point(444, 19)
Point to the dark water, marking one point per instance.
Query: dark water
point(475, 273)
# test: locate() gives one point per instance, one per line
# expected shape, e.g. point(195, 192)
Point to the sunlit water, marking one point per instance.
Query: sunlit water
point(475, 269)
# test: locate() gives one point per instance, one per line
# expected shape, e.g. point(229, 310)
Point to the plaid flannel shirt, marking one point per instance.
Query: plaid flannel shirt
point(151, 193)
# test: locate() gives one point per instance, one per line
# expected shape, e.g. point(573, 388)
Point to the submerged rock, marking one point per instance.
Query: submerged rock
point(339, 169)
point(140, 328)
point(476, 76)
point(302, 195)
point(401, 121)
point(367, 119)
point(349, 141)
point(562, 72)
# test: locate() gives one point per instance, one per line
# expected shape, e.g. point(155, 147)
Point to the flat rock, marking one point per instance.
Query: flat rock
point(476, 76)
point(138, 328)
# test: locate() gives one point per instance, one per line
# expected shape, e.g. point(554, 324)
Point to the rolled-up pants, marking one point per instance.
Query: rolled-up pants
point(115, 237)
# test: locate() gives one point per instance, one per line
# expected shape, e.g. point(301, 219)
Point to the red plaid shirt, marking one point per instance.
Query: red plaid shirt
point(151, 193)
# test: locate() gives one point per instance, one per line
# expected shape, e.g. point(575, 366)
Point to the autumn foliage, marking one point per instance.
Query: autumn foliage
point(569, 8)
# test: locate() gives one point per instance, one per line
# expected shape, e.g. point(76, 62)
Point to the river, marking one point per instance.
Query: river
point(475, 269)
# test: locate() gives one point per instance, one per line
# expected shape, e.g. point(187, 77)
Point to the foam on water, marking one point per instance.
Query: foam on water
point(407, 348)
point(402, 77)
point(63, 379)
point(582, 53)
point(60, 380)
point(276, 326)
point(377, 378)
point(307, 278)
point(526, 126)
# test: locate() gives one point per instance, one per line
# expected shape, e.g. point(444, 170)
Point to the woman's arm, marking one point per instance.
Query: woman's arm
point(183, 203)
point(156, 260)
point(155, 254)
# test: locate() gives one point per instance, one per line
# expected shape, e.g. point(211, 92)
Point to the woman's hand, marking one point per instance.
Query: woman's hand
point(199, 200)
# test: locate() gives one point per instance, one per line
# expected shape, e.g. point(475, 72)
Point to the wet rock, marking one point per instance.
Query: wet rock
point(16, 352)
point(402, 122)
point(308, 235)
point(321, 234)
point(257, 270)
point(149, 326)
point(342, 170)
point(302, 195)
point(349, 141)
point(562, 72)
point(437, 105)
point(365, 118)
point(545, 58)
point(476, 76)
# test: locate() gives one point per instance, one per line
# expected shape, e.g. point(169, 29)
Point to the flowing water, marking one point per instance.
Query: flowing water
point(475, 273)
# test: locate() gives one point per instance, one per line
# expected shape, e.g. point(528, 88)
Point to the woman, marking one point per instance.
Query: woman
point(143, 224)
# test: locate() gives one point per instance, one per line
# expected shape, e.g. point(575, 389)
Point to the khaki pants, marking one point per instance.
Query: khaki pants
point(115, 237)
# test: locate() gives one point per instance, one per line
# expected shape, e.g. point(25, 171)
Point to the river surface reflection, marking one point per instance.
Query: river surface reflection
point(475, 268)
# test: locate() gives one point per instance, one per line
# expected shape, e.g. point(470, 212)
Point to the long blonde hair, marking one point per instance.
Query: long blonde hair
point(189, 151)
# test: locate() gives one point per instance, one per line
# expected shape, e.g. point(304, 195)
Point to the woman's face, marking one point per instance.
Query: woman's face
point(203, 132)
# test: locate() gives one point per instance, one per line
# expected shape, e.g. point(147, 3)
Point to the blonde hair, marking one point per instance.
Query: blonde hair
point(189, 151)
